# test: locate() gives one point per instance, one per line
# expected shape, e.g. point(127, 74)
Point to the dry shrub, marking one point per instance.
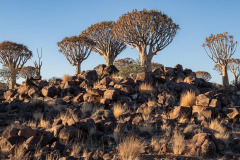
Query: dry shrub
point(178, 143)
point(66, 78)
point(188, 99)
point(216, 126)
point(146, 112)
point(118, 109)
point(76, 149)
point(145, 88)
point(44, 123)
point(223, 136)
point(130, 148)
point(152, 103)
point(19, 153)
point(156, 144)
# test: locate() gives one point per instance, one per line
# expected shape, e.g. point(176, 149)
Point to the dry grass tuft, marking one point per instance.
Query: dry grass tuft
point(146, 112)
point(118, 109)
point(66, 78)
point(188, 99)
point(130, 148)
point(223, 136)
point(152, 103)
point(178, 143)
point(216, 126)
point(156, 144)
point(145, 88)
point(19, 153)
point(44, 123)
point(76, 149)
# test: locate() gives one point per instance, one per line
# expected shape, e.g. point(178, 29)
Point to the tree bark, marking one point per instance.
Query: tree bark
point(109, 60)
point(78, 68)
point(146, 62)
point(12, 81)
point(225, 77)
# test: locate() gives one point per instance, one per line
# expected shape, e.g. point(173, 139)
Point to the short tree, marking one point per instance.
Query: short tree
point(76, 49)
point(27, 72)
point(14, 56)
point(147, 31)
point(204, 75)
point(5, 74)
point(106, 45)
point(120, 63)
point(220, 49)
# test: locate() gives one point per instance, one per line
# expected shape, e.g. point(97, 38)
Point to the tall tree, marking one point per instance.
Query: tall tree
point(27, 72)
point(220, 49)
point(76, 49)
point(147, 31)
point(204, 75)
point(5, 74)
point(14, 56)
point(106, 45)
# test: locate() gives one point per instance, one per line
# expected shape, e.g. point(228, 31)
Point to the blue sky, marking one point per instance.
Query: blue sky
point(44, 23)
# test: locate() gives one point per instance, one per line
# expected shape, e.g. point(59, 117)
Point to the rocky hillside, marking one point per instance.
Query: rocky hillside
point(164, 114)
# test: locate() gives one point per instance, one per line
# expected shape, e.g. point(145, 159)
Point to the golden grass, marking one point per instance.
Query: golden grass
point(157, 143)
point(216, 125)
point(118, 109)
point(44, 123)
point(178, 143)
point(188, 99)
point(223, 136)
point(76, 149)
point(130, 148)
point(66, 78)
point(146, 112)
point(152, 103)
point(19, 153)
point(145, 88)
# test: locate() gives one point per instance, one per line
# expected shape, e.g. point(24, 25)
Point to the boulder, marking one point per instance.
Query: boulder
point(202, 100)
point(91, 75)
point(215, 103)
point(68, 132)
point(110, 70)
point(202, 145)
point(146, 77)
point(232, 113)
point(111, 94)
point(49, 91)
point(26, 132)
point(180, 111)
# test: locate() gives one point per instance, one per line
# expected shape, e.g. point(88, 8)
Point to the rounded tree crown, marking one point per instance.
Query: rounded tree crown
point(15, 54)
point(145, 26)
point(75, 40)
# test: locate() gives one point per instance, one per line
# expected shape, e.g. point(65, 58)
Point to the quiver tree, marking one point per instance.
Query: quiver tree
point(38, 65)
point(14, 56)
point(27, 72)
point(220, 49)
point(234, 67)
point(5, 73)
point(76, 49)
point(147, 31)
point(106, 45)
point(204, 75)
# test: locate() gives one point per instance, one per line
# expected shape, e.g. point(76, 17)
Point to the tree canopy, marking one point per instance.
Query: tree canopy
point(147, 31)
point(106, 45)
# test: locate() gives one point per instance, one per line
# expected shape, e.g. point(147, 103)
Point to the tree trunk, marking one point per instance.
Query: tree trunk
point(235, 81)
point(225, 77)
point(78, 68)
point(146, 62)
point(12, 81)
point(109, 60)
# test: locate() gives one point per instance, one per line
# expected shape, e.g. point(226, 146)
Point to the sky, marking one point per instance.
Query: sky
point(43, 23)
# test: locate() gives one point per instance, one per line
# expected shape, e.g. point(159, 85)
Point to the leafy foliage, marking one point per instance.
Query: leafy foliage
point(27, 72)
